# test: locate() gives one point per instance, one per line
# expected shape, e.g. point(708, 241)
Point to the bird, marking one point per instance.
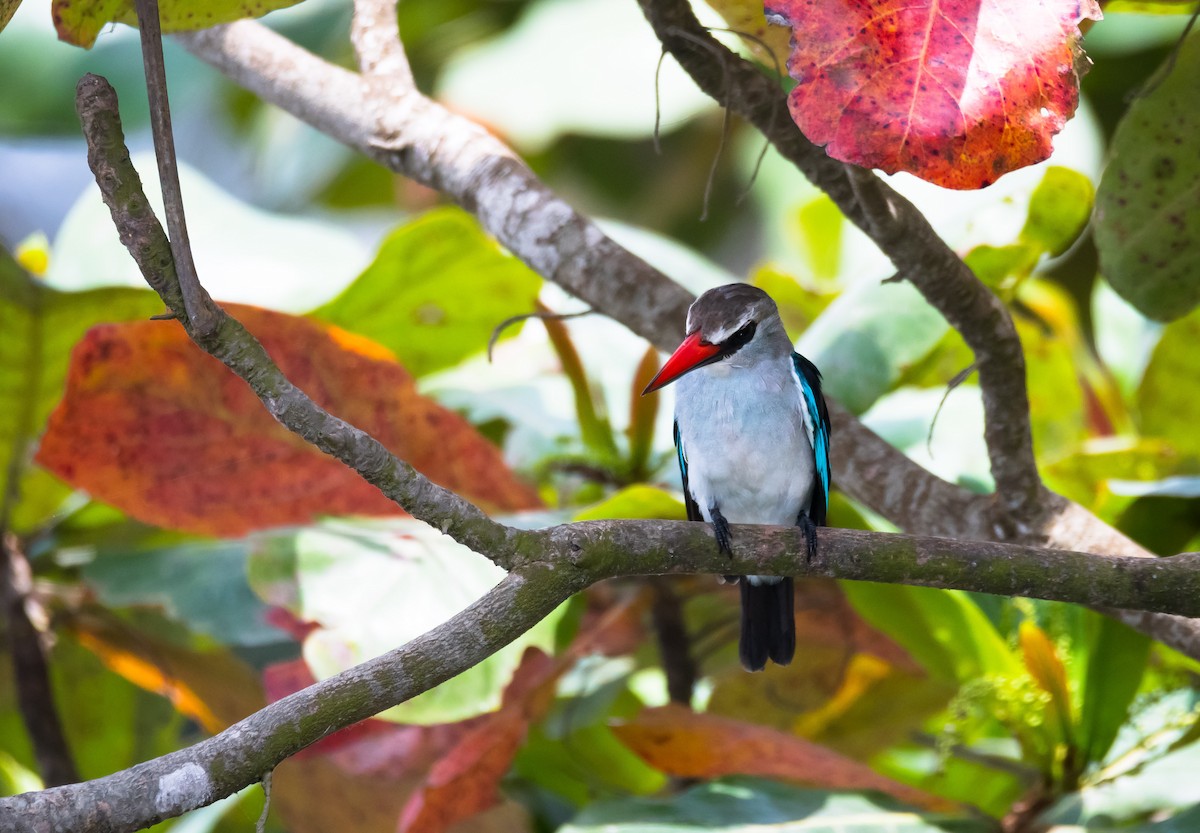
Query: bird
point(752, 437)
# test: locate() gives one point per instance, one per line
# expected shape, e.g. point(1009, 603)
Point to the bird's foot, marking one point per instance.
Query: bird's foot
point(810, 535)
point(721, 530)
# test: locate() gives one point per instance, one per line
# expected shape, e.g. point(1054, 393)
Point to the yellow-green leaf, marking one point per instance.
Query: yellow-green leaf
point(80, 21)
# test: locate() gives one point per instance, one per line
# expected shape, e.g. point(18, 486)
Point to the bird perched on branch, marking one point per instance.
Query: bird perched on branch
point(752, 433)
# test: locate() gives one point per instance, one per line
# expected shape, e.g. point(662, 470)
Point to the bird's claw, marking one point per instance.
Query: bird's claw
point(810, 535)
point(721, 530)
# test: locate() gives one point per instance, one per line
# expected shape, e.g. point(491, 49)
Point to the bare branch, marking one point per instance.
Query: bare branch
point(196, 302)
point(376, 38)
point(901, 232)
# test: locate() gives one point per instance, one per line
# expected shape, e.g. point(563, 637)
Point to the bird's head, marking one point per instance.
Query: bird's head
point(735, 319)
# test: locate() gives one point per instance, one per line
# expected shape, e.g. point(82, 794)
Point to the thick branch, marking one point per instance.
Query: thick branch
point(900, 231)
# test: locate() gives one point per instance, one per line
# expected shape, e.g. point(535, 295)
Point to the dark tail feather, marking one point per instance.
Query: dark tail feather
point(768, 624)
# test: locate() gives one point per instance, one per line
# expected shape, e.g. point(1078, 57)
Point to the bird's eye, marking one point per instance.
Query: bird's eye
point(739, 339)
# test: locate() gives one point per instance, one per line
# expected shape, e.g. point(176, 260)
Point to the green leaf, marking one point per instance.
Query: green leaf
point(868, 337)
point(995, 264)
point(636, 502)
point(1119, 656)
point(435, 291)
point(943, 630)
point(1094, 473)
point(1151, 7)
point(798, 305)
point(1169, 397)
point(79, 22)
point(1148, 203)
point(594, 427)
point(283, 262)
point(741, 804)
point(202, 584)
point(372, 586)
point(585, 762)
point(110, 723)
point(16, 779)
point(1058, 210)
point(1166, 784)
point(1056, 402)
point(40, 327)
point(821, 223)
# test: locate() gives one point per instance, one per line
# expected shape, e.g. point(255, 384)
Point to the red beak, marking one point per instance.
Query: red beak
point(688, 356)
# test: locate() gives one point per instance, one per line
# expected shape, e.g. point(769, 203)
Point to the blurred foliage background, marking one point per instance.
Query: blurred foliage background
point(973, 710)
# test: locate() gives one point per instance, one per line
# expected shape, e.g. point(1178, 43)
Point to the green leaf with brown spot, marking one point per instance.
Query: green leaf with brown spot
point(1148, 204)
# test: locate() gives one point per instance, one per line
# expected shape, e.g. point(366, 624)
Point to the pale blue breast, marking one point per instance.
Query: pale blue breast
point(742, 430)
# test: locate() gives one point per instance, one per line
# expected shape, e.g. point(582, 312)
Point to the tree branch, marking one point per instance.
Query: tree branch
point(450, 153)
point(241, 755)
point(197, 305)
point(375, 34)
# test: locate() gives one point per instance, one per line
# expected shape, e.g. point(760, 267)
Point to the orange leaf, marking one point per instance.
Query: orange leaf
point(211, 687)
point(466, 780)
point(1041, 659)
point(957, 92)
point(687, 744)
point(156, 427)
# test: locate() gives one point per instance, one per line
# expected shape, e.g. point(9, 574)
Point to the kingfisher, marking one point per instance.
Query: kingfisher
point(752, 436)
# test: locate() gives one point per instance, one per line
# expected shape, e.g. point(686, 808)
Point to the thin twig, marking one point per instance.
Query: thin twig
point(499, 329)
point(261, 826)
point(196, 302)
point(958, 379)
point(662, 56)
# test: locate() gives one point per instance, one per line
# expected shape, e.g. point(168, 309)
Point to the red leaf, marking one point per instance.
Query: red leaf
point(688, 744)
point(161, 430)
point(957, 92)
point(466, 781)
